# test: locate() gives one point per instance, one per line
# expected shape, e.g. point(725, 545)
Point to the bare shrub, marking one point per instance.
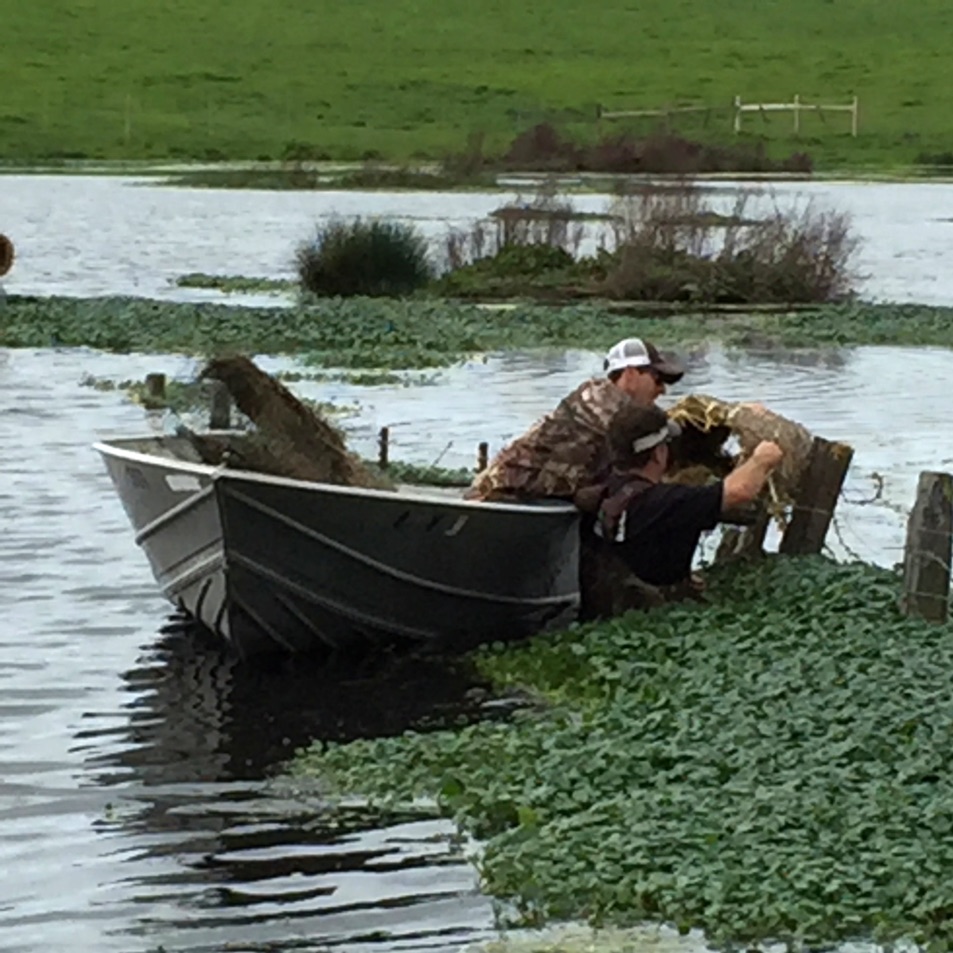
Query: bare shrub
point(543, 148)
point(462, 248)
point(544, 220)
point(670, 245)
point(469, 163)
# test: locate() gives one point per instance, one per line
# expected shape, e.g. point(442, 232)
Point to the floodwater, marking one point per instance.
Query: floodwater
point(95, 235)
point(136, 808)
point(138, 804)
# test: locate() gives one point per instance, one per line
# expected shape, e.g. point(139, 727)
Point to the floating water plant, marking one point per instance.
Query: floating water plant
point(385, 334)
point(235, 283)
point(776, 765)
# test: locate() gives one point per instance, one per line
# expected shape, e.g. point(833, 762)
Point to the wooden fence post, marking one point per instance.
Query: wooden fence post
point(155, 386)
point(220, 413)
point(483, 454)
point(926, 557)
point(742, 541)
point(817, 497)
point(383, 448)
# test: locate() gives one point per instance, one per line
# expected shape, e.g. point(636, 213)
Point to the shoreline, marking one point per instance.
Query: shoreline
point(593, 182)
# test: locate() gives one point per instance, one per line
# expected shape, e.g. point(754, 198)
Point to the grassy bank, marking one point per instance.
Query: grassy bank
point(214, 80)
point(773, 766)
point(383, 333)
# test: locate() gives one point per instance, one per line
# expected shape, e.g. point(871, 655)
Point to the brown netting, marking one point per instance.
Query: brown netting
point(6, 255)
point(290, 438)
point(700, 453)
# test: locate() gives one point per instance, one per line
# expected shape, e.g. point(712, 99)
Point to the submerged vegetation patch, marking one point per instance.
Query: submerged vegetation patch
point(775, 765)
point(420, 333)
point(236, 284)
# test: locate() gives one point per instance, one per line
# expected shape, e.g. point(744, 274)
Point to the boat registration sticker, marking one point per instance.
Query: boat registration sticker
point(182, 483)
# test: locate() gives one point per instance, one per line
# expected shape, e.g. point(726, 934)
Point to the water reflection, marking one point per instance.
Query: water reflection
point(828, 359)
point(219, 852)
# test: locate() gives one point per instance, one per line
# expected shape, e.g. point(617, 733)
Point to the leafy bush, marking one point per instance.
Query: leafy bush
point(372, 258)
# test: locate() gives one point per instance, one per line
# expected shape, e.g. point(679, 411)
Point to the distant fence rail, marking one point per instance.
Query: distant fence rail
point(671, 110)
point(738, 109)
point(797, 107)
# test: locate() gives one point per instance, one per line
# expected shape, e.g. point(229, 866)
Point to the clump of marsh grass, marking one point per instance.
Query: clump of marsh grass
point(370, 258)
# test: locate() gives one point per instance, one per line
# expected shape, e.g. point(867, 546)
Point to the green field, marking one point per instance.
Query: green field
point(125, 79)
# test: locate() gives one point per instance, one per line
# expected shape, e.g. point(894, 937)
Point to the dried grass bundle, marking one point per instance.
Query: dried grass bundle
point(708, 423)
point(290, 439)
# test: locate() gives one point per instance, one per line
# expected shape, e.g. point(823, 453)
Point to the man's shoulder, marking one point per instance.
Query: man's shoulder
point(598, 388)
point(682, 504)
point(597, 400)
point(680, 492)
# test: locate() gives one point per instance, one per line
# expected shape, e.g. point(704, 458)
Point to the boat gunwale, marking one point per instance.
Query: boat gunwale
point(108, 449)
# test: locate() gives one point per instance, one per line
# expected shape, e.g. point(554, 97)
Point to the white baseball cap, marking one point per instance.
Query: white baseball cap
point(635, 352)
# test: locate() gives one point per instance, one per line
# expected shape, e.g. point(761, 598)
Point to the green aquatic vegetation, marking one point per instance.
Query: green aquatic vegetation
point(232, 284)
point(342, 333)
point(425, 475)
point(379, 378)
point(191, 397)
point(178, 396)
point(774, 765)
point(385, 334)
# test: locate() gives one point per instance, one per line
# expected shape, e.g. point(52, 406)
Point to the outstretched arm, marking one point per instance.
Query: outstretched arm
point(743, 484)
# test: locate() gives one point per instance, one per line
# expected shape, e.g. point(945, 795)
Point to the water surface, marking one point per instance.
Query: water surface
point(104, 235)
point(137, 807)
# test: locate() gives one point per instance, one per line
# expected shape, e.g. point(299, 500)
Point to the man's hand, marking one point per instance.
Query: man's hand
point(745, 482)
point(768, 454)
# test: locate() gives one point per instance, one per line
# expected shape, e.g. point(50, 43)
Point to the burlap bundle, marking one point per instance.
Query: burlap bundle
point(708, 424)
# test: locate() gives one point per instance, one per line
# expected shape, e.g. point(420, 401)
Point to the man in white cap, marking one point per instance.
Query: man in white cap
point(566, 450)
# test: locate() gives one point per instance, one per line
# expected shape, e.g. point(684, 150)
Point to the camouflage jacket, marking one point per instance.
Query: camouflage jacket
point(560, 453)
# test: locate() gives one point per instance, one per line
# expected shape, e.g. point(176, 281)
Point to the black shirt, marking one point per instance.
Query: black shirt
point(659, 531)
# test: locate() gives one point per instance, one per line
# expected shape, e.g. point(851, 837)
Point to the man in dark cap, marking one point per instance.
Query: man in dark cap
point(567, 449)
point(641, 527)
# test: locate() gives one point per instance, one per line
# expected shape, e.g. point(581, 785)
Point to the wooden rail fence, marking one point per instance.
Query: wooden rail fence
point(797, 107)
point(739, 108)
